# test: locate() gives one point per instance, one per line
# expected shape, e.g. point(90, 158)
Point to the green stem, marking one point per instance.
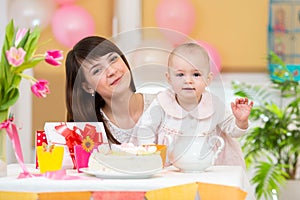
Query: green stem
point(29, 64)
point(3, 116)
point(30, 78)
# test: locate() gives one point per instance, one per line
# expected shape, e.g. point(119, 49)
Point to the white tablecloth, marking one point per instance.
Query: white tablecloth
point(223, 175)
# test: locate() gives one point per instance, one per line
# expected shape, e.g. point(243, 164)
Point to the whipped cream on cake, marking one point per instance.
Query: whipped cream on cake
point(125, 158)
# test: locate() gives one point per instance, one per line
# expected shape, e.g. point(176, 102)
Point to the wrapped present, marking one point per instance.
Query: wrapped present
point(71, 134)
point(40, 138)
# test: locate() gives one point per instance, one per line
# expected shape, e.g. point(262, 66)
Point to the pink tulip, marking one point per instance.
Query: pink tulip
point(20, 34)
point(53, 57)
point(40, 88)
point(15, 56)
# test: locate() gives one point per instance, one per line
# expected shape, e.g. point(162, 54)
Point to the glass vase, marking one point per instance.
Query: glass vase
point(3, 163)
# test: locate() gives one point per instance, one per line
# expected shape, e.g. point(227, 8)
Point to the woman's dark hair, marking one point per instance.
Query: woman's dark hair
point(82, 106)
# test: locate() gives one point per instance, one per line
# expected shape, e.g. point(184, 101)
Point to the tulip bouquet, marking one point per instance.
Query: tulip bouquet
point(19, 54)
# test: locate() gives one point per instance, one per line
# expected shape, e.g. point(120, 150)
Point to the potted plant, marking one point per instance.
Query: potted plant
point(272, 145)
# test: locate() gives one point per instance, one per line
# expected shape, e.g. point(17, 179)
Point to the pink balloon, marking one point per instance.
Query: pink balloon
point(214, 56)
point(176, 15)
point(71, 23)
point(62, 2)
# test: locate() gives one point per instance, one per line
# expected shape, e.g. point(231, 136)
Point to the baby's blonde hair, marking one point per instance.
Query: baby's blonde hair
point(189, 49)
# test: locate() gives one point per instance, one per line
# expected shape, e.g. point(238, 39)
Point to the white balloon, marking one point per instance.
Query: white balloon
point(31, 13)
point(151, 51)
point(149, 63)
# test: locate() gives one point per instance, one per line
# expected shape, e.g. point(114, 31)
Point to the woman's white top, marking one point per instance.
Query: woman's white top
point(124, 135)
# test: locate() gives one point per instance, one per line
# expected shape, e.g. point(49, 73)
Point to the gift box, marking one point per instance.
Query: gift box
point(40, 138)
point(70, 134)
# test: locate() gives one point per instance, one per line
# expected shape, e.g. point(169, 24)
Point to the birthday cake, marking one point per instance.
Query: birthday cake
point(125, 158)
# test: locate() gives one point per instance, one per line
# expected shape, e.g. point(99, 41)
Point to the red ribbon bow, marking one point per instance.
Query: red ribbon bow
point(90, 130)
point(73, 138)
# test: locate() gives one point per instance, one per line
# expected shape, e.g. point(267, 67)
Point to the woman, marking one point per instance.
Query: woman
point(99, 87)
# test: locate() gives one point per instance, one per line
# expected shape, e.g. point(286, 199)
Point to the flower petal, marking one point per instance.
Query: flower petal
point(19, 36)
point(15, 57)
point(40, 88)
point(53, 57)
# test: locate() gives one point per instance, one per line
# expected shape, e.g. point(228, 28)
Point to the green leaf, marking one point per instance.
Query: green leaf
point(31, 44)
point(9, 34)
point(2, 90)
point(9, 99)
point(273, 108)
point(275, 59)
point(268, 177)
point(261, 94)
point(24, 39)
point(10, 30)
point(16, 80)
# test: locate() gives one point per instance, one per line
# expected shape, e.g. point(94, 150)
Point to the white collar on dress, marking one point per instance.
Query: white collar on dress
point(169, 104)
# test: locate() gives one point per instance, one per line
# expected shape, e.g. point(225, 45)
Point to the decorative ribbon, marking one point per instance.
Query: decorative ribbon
point(72, 139)
point(90, 130)
point(12, 132)
point(47, 147)
point(60, 175)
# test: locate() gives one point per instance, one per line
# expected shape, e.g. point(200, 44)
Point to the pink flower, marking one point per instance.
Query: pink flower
point(20, 34)
point(15, 56)
point(40, 88)
point(53, 56)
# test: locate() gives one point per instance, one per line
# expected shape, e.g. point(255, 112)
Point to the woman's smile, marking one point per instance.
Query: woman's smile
point(116, 81)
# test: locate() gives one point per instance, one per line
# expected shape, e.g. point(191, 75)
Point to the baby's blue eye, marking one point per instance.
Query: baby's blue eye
point(180, 75)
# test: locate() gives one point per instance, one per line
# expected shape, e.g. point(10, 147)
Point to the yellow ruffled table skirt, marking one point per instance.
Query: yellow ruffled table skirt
point(190, 191)
point(218, 182)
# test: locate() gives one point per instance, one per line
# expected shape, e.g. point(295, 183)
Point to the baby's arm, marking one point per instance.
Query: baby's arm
point(241, 110)
point(145, 132)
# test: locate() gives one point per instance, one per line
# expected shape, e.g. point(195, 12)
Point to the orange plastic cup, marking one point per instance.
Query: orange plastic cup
point(50, 161)
point(163, 152)
point(162, 149)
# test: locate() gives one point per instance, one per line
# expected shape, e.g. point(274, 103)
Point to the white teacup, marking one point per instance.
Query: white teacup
point(192, 153)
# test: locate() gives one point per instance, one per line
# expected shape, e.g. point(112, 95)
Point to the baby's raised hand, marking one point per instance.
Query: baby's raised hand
point(241, 110)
